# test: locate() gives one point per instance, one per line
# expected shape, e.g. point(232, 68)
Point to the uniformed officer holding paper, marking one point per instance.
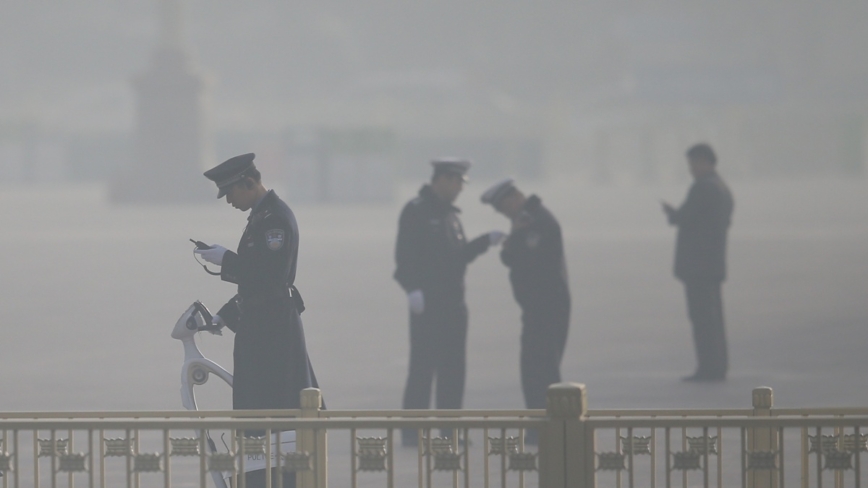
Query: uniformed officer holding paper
point(432, 254)
point(271, 364)
point(534, 254)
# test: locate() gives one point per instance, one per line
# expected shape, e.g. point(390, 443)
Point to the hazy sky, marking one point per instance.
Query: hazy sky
point(69, 63)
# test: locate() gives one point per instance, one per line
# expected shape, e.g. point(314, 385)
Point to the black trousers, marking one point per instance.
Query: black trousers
point(543, 339)
point(438, 351)
point(705, 309)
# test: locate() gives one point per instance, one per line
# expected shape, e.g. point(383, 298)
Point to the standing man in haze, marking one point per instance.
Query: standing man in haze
point(700, 259)
point(432, 254)
point(534, 254)
point(271, 364)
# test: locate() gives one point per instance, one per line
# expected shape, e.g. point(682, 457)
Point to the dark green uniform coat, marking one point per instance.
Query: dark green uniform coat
point(534, 254)
point(271, 361)
point(431, 255)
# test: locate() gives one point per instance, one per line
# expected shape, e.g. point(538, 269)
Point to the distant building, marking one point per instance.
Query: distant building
point(608, 89)
point(171, 139)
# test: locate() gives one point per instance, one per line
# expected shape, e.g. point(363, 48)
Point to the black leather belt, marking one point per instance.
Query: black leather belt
point(291, 293)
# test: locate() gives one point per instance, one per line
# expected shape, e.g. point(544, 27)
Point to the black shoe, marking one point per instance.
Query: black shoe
point(704, 378)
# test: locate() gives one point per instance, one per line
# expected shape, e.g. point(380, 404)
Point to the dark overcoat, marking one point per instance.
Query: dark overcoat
point(703, 222)
point(271, 360)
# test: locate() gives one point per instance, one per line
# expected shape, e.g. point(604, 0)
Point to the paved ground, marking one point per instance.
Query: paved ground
point(91, 292)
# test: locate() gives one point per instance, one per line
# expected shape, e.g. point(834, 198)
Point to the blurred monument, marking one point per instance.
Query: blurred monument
point(171, 141)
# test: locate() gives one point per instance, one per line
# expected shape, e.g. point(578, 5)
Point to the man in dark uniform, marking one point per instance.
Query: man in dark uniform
point(534, 254)
point(271, 364)
point(700, 259)
point(432, 254)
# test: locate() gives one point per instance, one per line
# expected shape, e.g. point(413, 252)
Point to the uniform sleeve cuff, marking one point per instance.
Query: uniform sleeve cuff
point(229, 267)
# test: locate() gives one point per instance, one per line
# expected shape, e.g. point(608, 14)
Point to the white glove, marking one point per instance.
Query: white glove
point(217, 321)
point(213, 254)
point(417, 302)
point(496, 237)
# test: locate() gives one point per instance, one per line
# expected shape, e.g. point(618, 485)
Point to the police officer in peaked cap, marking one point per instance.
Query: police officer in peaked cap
point(431, 255)
point(534, 254)
point(271, 364)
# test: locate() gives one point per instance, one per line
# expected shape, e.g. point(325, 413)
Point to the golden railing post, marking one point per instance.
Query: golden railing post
point(566, 444)
point(762, 439)
point(312, 442)
point(322, 453)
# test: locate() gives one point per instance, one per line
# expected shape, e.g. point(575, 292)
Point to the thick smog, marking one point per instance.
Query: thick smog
point(355, 154)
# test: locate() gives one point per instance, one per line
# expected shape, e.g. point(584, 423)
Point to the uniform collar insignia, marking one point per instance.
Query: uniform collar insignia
point(261, 210)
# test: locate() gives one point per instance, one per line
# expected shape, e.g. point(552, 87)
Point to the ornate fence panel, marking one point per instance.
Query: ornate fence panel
point(761, 447)
point(213, 448)
point(566, 445)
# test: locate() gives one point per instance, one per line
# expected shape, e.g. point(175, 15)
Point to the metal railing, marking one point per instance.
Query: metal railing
point(565, 445)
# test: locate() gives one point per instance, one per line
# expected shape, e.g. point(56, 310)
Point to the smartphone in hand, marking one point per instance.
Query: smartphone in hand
point(200, 244)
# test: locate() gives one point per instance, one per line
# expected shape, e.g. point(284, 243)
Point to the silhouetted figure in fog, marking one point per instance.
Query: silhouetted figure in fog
point(534, 254)
point(432, 256)
point(700, 259)
point(271, 360)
